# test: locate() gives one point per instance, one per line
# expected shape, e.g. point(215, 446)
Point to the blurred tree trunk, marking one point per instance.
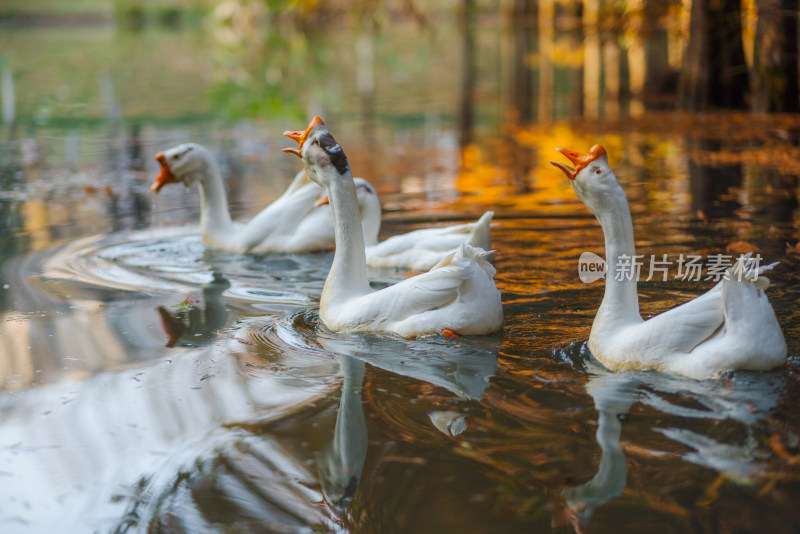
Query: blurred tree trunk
point(775, 56)
point(659, 77)
point(715, 73)
point(592, 59)
point(466, 117)
point(524, 20)
point(524, 82)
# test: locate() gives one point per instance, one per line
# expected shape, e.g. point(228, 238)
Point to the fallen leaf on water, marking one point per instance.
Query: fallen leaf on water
point(741, 247)
point(711, 492)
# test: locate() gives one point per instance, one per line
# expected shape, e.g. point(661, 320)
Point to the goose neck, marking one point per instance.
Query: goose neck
point(347, 277)
point(214, 215)
point(620, 301)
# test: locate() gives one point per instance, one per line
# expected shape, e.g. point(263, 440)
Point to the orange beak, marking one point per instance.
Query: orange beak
point(581, 161)
point(322, 201)
point(301, 137)
point(165, 175)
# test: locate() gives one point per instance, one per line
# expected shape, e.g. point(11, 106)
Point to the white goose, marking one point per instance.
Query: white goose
point(457, 296)
point(418, 250)
point(732, 326)
point(292, 223)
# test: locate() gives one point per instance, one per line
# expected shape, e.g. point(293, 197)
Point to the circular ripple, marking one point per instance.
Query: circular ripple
point(175, 259)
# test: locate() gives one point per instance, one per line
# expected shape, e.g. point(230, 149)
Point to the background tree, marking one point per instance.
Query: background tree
point(714, 72)
point(775, 56)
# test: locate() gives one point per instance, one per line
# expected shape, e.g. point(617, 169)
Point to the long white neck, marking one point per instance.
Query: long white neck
point(214, 216)
point(348, 275)
point(620, 304)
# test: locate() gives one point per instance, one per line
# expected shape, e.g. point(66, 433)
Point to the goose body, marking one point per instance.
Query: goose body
point(421, 249)
point(732, 326)
point(458, 294)
point(418, 250)
point(292, 223)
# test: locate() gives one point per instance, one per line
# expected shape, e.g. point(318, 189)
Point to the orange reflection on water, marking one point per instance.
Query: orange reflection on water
point(542, 187)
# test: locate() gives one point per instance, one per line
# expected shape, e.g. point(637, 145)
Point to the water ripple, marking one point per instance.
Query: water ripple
point(174, 259)
point(463, 366)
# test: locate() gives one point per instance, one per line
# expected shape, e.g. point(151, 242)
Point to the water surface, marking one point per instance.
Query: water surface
point(149, 384)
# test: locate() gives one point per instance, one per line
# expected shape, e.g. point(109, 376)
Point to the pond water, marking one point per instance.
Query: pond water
point(147, 384)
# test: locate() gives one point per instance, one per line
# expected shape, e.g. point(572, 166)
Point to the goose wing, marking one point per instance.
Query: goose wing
point(684, 327)
point(437, 239)
point(427, 291)
point(441, 239)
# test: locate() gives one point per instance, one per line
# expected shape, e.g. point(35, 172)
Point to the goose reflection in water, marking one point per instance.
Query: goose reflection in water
point(340, 464)
point(465, 373)
point(613, 396)
point(258, 478)
point(196, 325)
point(744, 397)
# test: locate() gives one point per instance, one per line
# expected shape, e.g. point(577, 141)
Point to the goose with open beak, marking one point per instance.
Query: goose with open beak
point(732, 326)
point(457, 296)
point(295, 222)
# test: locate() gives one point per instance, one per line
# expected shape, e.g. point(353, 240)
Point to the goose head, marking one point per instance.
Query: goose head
point(325, 160)
point(592, 178)
point(186, 164)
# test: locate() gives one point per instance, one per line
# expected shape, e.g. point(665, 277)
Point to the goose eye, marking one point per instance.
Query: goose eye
point(315, 142)
point(175, 156)
point(598, 170)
